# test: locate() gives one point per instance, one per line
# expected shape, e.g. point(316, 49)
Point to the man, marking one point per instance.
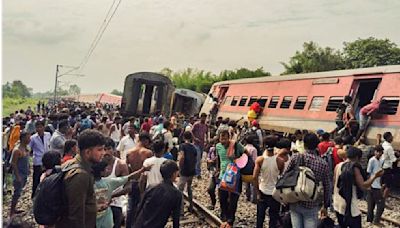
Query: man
point(104, 127)
point(199, 131)
point(127, 125)
point(20, 166)
point(324, 145)
point(79, 182)
point(348, 116)
point(375, 196)
point(115, 168)
point(187, 161)
point(30, 125)
point(267, 167)
point(365, 116)
point(257, 135)
point(153, 177)
point(116, 130)
point(161, 201)
point(299, 144)
point(349, 185)
point(58, 139)
point(305, 214)
point(228, 201)
point(145, 126)
point(14, 135)
point(39, 144)
point(388, 159)
point(127, 142)
point(135, 160)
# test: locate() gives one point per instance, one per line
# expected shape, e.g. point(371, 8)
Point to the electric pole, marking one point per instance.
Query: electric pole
point(73, 68)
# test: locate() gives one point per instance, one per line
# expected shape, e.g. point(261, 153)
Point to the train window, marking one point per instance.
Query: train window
point(274, 102)
point(228, 99)
point(286, 102)
point(243, 101)
point(300, 103)
point(263, 101)
point(334, 103)
point(252, 100)
point(316, 103)
point(234, 101)
point(389, 105)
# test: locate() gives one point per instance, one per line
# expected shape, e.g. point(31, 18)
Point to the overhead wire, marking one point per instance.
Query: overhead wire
point(100, 33)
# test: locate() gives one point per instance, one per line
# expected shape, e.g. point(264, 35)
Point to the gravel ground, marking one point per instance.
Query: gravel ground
point(246, 212)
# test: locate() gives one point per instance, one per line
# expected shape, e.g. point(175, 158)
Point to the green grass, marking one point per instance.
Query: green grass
point(10, 105)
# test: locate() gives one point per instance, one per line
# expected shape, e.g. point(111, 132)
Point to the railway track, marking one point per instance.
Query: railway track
point(203, 213)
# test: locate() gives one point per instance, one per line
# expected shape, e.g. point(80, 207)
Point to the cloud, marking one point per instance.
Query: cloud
point(25, 28)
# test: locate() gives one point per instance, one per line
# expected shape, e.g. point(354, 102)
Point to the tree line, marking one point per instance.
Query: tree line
point(360, 53)
point(17, 89)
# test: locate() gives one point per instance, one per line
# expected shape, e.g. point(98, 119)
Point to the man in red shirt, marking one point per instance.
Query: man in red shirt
point(324, 144)
point(365, 116)
point(145, 126)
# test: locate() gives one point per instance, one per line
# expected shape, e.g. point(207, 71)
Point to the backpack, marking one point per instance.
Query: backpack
point(297, 184)
point(50, 202)
point(85, 124)
point(328, 157)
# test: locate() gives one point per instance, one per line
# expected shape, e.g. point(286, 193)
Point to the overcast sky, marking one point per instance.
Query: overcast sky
point(148, 35)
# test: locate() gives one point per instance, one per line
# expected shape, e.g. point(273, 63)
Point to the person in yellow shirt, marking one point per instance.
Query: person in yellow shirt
point(14, 136)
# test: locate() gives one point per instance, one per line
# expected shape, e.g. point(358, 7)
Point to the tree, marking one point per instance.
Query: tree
point(314, 58)
point(16, 89)
point(116, 92)
point(74, 90)
point(201, 81)
point(370, 52)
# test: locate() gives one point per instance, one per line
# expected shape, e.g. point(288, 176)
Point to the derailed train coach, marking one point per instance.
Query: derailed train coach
point(146, 93)
point(309, 101)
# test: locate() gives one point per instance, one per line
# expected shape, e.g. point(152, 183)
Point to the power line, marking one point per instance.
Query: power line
point(100, 33)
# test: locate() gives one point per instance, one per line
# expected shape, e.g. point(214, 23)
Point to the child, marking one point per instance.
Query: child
point(70, 149)
point(103, 188)
point(50, 160)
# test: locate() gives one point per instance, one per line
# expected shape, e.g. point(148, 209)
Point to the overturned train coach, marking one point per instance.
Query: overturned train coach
point(309, 101)
point(146, 93)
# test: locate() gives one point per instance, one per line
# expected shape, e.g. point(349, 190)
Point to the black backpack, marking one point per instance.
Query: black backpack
point(50, 202)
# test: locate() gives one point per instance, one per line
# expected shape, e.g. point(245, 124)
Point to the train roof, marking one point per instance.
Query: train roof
point(325, 74)
point(149, 77)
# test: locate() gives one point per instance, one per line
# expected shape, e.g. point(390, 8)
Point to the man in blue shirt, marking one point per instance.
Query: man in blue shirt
point(39, 144)
point(375, 196)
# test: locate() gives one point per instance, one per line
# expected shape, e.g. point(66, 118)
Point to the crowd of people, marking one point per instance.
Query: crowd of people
point(133, 171)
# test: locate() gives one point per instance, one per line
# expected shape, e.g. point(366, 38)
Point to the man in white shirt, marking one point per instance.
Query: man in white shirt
point(375, 196)
point(127, 142)
point(388, 159)
point(153, 177)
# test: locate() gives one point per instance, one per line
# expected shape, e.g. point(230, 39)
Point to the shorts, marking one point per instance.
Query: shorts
point(387, 178)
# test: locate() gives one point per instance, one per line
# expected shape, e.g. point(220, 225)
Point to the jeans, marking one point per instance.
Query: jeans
point(228, 202)
point(250, 192)
point(303, 217)
point(375, 198)
point(18, 186)
point(267, 201)
point(352, 222)
point(181, 185)
point(200, 150)
point(117, 216)
point(37, 172)
point(133, 203)
point(211, 190)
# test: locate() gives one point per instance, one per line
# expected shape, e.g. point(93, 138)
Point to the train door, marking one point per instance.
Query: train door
point(363, 92)
point(222, 92)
